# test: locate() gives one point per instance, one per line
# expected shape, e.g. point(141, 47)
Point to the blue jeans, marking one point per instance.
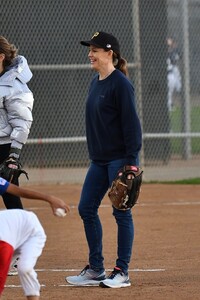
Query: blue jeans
point(98, 179)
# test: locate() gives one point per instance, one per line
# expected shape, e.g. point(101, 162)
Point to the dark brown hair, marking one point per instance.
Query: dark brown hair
point(9, 50)
point(120, 63)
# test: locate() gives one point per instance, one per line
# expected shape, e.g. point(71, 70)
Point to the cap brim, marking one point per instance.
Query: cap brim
point(85, 43)
point(89, 43)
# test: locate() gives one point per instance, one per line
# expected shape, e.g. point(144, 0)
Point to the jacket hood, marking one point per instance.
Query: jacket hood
point(19, 69)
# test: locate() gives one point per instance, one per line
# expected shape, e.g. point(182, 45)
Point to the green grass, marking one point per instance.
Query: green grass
point(184, 181)
point(176, 126)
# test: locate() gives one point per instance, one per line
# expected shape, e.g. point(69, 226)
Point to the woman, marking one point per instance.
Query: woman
point(114, 139)
point(16, 102)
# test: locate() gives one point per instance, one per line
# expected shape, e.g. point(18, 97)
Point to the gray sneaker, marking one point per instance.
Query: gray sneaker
point(87, 277)
point(116, 279)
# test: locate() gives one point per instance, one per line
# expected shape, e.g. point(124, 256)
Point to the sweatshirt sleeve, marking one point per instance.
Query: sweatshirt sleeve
point(130, 122)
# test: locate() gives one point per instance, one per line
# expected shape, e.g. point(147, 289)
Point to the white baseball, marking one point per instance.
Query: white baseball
point(60, 212)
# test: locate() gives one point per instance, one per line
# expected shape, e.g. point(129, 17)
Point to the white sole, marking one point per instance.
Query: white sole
point(12, 274)
point(123, 285)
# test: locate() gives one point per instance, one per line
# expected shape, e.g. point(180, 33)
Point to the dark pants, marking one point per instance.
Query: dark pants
point(98, 179)
point(9, 200)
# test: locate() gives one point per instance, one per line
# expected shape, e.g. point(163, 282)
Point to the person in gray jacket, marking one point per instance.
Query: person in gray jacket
point(16, 103)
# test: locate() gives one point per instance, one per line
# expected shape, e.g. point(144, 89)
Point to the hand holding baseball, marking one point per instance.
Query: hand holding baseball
point(60, 212)
point(59, 207)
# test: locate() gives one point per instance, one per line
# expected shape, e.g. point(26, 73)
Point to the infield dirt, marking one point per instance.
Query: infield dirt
point(166, 254)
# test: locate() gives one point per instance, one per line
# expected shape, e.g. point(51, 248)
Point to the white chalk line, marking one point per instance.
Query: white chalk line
point(78, 270)
point(138, 205)
point(107, 270)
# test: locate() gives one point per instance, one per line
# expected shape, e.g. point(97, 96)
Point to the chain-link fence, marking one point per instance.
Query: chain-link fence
point(160, 41)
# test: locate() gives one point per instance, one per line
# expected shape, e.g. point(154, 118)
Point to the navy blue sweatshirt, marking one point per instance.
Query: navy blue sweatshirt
point(112, 126)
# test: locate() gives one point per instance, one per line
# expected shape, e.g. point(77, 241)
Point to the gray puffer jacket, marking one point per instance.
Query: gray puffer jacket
point(16, 103)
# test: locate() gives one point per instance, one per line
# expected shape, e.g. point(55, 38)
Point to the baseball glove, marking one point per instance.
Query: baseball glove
point(11, 169)
point(125, 189)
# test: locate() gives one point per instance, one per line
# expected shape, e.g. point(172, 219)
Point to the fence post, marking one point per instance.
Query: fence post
point(186, 119)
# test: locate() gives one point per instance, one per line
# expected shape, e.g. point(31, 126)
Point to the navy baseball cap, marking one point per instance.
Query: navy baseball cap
point(103, 40)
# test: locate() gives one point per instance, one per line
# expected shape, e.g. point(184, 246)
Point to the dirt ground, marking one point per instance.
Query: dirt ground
point(166, 254)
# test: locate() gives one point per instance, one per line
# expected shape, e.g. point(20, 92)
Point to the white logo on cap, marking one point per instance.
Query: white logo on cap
point(108, 46)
